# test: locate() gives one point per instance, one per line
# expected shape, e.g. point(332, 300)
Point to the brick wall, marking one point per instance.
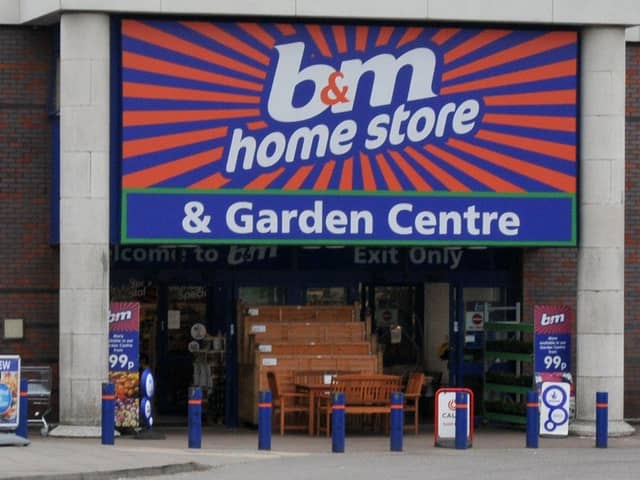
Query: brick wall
point(632, 232)
point(28, 264)
point(549, 276)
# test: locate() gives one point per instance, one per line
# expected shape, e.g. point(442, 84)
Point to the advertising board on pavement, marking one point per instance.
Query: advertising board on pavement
point(445, 422)
point(124, 351)
point(552, 347)
point(9, 392)
point(554, 409)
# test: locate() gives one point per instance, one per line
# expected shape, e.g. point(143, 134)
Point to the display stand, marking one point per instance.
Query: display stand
point(13, 418)
point(147, 390)
point(444, 421)
point(209, 375)
point(508, 365)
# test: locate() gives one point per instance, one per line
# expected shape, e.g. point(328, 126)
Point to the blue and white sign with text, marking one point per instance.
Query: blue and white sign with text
point(554, 409)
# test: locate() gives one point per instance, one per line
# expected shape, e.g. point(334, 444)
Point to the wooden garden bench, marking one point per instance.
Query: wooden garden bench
point(365, 394)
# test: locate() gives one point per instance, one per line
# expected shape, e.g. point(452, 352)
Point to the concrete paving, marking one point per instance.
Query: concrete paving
point(496, 454)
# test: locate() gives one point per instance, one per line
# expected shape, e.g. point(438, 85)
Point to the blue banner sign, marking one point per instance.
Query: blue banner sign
point(552, 339)
point(124, 363)
point(326, 219)
point(124, 333)
point(347, 134)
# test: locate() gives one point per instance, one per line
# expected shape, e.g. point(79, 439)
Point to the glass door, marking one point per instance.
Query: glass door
point(185, 323)
point(394, 322)
point(466, 331)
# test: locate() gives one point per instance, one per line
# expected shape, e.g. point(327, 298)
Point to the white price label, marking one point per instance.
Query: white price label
point(554, 362)
point(120, 361)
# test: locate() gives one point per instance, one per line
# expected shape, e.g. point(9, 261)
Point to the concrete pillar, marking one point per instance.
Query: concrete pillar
point(600, 302)
point(84, 219)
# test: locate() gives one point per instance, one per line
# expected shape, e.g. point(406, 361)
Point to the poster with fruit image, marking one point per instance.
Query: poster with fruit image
point(9, 391)
point(124, 352)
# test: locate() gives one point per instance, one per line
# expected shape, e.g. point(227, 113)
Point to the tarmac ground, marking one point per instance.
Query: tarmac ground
point(496, 454)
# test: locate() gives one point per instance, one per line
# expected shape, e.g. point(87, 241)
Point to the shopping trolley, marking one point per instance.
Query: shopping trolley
point(39, 395)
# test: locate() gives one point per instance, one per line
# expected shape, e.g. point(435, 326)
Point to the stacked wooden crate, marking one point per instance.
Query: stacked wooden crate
point(286, 339)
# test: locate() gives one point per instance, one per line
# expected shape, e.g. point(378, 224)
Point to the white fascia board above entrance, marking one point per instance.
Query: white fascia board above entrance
point(555, 12)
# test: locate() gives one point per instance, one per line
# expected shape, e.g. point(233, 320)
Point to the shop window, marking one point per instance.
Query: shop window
point(327, 296)
point(394, 325)
point(186, 322)
point(262, 295)
point(187, 307)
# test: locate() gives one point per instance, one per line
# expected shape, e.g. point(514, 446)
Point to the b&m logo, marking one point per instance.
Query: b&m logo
point(264, 106)
point(552, 319)
point(391, 93)
point(124, 316)
point(337, 88)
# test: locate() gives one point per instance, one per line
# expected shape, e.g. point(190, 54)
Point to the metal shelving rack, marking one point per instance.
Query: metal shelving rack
point(512, 329)
point(213, 389)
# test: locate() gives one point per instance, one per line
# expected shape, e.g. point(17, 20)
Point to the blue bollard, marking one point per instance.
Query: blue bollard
point(108, 413)
point(397, 421)
point(23, 419)
point(195, 417)
point(264, 420)
point(462, 408)
point(337, 423)
point(533, 419)
point(602, 419)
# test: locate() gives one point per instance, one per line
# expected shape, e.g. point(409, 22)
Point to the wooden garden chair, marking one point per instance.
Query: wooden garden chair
point(412, 394)
point(288, 406)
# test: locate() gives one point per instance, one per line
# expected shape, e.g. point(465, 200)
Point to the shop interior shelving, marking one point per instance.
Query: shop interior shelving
point(212, 380)
point(508, 360)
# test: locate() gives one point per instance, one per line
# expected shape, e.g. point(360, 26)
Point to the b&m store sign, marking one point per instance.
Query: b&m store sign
point(347, 134)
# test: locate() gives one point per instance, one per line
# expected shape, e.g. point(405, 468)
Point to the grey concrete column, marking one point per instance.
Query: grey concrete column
point(84, 219)
point(600, 302)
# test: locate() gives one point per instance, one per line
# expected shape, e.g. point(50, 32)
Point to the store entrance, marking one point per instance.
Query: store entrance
point(411, 304)
point(185, 328)
point(191, 351)
point(471, 307)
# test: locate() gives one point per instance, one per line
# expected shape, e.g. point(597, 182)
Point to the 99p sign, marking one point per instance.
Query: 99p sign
point(121, 362)
point(554, 363)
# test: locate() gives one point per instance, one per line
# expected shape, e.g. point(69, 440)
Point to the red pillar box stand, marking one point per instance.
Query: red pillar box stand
point(444, 420)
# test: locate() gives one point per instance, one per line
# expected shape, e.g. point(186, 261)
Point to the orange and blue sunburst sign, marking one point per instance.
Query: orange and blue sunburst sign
point(296, 133)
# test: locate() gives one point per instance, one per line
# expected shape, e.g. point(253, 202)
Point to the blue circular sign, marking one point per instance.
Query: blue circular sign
point(147, 383)
point(145, 411)
point(554, 397)
point(5, 398)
